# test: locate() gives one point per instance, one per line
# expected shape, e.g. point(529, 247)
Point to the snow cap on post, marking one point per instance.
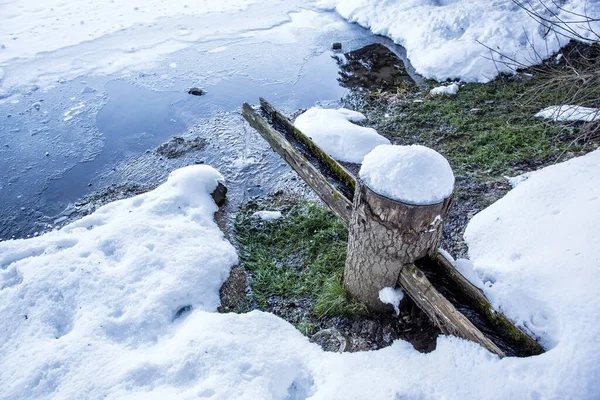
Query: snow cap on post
point(414, 174)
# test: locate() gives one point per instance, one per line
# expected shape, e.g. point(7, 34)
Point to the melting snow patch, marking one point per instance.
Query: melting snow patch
point(449, 90)
point(335, 133)
point(268, 215)
point(392, 297)
point(514, 181)
point(567, 112)
point(410, 174)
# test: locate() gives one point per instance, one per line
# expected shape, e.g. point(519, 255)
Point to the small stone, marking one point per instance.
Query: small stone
point(336, 46)
point(331, 340)
point(220, 194)
point(196, 91)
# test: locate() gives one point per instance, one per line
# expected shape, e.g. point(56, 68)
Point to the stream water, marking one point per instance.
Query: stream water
point(64, 142)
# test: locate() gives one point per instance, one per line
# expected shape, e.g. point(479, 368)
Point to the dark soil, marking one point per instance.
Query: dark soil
point(374, 67)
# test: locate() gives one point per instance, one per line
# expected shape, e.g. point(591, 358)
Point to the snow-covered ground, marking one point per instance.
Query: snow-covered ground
point(121, 304)
point(452, 38)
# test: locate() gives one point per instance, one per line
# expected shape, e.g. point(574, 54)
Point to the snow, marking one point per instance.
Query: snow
point(515, 181)
point(94, 296)
point(450, 90)
point(335, 133)
point(268, 216)
point(446, 38)
point(392, 296)
point(30, 27)
point(44, 43)
point(410, 174)
point(121, 304)
point(566, 112)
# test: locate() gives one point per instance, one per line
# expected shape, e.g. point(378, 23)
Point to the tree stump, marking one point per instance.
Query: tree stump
point(385, 235)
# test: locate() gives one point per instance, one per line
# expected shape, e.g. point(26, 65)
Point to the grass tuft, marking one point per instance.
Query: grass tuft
point(333, 301)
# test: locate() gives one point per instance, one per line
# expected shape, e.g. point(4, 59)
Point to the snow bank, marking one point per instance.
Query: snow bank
point(334, 132)
point(441, 36)
point(392, 296)
point(267, 215)
point(567, 112)
point(450, 90)
point(410, 174)
point(84, 304)
point(536, 251)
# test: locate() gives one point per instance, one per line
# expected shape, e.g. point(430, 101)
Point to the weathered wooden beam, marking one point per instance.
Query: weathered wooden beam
point(480, 303)
point(439, 309)
point(339, 172)
point(331, 196)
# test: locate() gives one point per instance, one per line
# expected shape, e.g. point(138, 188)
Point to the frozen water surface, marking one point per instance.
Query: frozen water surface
point(92, 120)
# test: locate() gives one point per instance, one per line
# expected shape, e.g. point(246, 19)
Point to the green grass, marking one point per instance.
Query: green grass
point(299, 257)
point(487, 129)
point(332, 300)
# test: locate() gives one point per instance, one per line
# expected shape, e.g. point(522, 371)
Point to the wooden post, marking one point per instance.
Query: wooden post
point(385, 235)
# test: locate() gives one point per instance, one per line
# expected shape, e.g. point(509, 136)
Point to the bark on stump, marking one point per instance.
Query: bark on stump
point(385, 235)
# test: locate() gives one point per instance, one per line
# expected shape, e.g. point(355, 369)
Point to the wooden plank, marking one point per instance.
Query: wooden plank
point(331, 196)
point(439, 309)
point(478, 301)
point(340, 173)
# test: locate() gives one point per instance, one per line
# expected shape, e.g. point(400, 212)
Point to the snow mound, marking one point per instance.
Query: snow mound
point(537, 254)
point(391, 296)
point(515, 181)
point(410, 174)
point(567, 112)
point(267, 216)
point(100, 292)
point(450, 90)
point(335, 133)
point(448, 38)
